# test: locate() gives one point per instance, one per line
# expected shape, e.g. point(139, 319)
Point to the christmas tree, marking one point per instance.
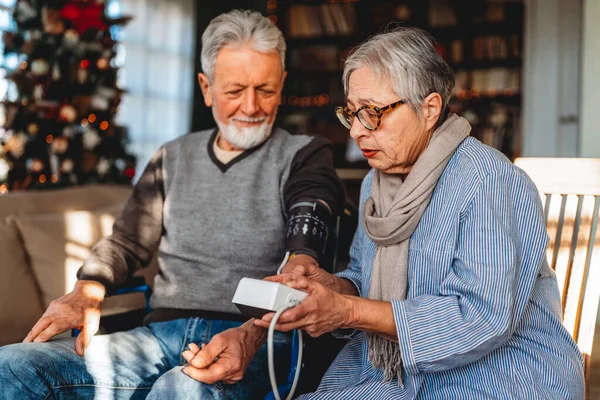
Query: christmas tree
point(59, 130)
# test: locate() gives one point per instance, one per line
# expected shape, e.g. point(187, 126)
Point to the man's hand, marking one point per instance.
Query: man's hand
point(79, 309)
point(226, 357)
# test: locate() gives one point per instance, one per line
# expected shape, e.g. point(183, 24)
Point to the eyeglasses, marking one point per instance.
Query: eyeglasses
point(369, 116)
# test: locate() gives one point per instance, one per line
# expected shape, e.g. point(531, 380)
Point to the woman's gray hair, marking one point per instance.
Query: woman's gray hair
point(408, 58)
point(239, 28)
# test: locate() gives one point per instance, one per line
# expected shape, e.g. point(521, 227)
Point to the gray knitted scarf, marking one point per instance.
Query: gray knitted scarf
point(390, 216)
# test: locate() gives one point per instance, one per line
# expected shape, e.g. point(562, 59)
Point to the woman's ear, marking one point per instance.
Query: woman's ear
point(205, 87)
point(432, 109)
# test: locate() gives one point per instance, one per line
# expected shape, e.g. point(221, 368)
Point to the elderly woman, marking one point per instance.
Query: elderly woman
point(448, 293)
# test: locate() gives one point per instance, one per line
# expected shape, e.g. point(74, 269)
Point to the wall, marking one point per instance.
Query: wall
point(551, 78)
point(590, 97)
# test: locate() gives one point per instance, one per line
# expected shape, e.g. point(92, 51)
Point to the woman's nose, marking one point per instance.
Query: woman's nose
point(357, 130)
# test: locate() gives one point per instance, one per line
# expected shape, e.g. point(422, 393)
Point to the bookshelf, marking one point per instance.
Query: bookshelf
point(481, 40)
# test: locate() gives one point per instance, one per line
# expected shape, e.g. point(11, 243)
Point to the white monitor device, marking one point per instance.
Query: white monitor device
point(254, 297)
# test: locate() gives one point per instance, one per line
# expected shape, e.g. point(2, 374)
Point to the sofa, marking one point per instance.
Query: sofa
point(44, 238)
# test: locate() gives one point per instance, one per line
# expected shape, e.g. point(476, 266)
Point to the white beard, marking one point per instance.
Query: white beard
point(245, 138)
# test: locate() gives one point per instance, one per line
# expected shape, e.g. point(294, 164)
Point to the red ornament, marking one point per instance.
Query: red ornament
point(84, 16)
point(129, 172)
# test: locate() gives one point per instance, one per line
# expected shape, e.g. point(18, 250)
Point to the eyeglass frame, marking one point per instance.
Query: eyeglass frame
point(380, 112)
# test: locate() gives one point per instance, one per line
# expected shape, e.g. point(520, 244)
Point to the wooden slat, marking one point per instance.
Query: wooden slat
point(590, 282)
point(581, 232)
point(563, 175)
point(555, 234)
point(546, 198)
point(563, 252)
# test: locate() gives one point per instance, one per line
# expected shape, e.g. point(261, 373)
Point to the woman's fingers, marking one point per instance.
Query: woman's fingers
point(275, 278)
point(283, 278)
point(285, 327)
point(298, 269)
point(295, 315)
point(301, 283)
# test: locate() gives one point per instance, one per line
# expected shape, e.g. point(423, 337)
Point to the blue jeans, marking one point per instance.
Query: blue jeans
point(143, 362)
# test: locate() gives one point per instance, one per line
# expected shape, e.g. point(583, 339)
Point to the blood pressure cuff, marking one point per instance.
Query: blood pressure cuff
point(308, 228)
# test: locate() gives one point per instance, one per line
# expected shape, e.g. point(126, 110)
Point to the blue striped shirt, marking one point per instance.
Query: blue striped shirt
point(482, 317)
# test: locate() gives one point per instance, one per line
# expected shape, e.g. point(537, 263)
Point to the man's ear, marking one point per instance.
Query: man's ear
point(432, 109)
point(283, 76)
point(205, 87)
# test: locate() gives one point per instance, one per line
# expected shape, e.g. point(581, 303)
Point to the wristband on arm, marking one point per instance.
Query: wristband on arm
point(308, 229)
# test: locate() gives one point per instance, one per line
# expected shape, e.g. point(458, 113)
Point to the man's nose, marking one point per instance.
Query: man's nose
point(250, 103)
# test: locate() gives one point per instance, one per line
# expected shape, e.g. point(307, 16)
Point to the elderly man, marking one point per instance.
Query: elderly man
point(214, 206)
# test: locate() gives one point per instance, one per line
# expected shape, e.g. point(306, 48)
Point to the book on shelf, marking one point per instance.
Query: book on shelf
point(495, 47)
point(315, 58)
point(328, 21)
point(306, 21)
point(456, 51)
point(487, 82)
point(494, 12)
point(386, 12)
point(441, 14)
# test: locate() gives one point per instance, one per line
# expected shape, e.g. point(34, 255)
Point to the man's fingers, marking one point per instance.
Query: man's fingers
point(217, 372)
point(79, 346)
point(86, 335)
point(207, 355)
point(52, 330)
point(37, 328)
point(187, 355)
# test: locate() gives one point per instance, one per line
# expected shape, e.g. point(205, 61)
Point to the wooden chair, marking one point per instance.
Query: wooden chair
point(570, 192)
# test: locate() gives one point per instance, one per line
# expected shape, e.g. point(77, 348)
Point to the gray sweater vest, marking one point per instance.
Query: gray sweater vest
point(220, 223)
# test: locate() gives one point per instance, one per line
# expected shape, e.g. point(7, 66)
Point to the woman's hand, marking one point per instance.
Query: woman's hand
point(308, 270)
point(322, 311)
point(312, 271)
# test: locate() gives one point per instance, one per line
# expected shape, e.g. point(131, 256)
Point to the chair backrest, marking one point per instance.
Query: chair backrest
point(570, 192)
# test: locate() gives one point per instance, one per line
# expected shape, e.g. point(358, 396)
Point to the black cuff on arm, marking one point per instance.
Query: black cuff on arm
point(308, 228)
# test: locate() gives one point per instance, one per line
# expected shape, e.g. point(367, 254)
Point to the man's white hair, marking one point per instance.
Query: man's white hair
point(239, 28)
point(408, 59)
